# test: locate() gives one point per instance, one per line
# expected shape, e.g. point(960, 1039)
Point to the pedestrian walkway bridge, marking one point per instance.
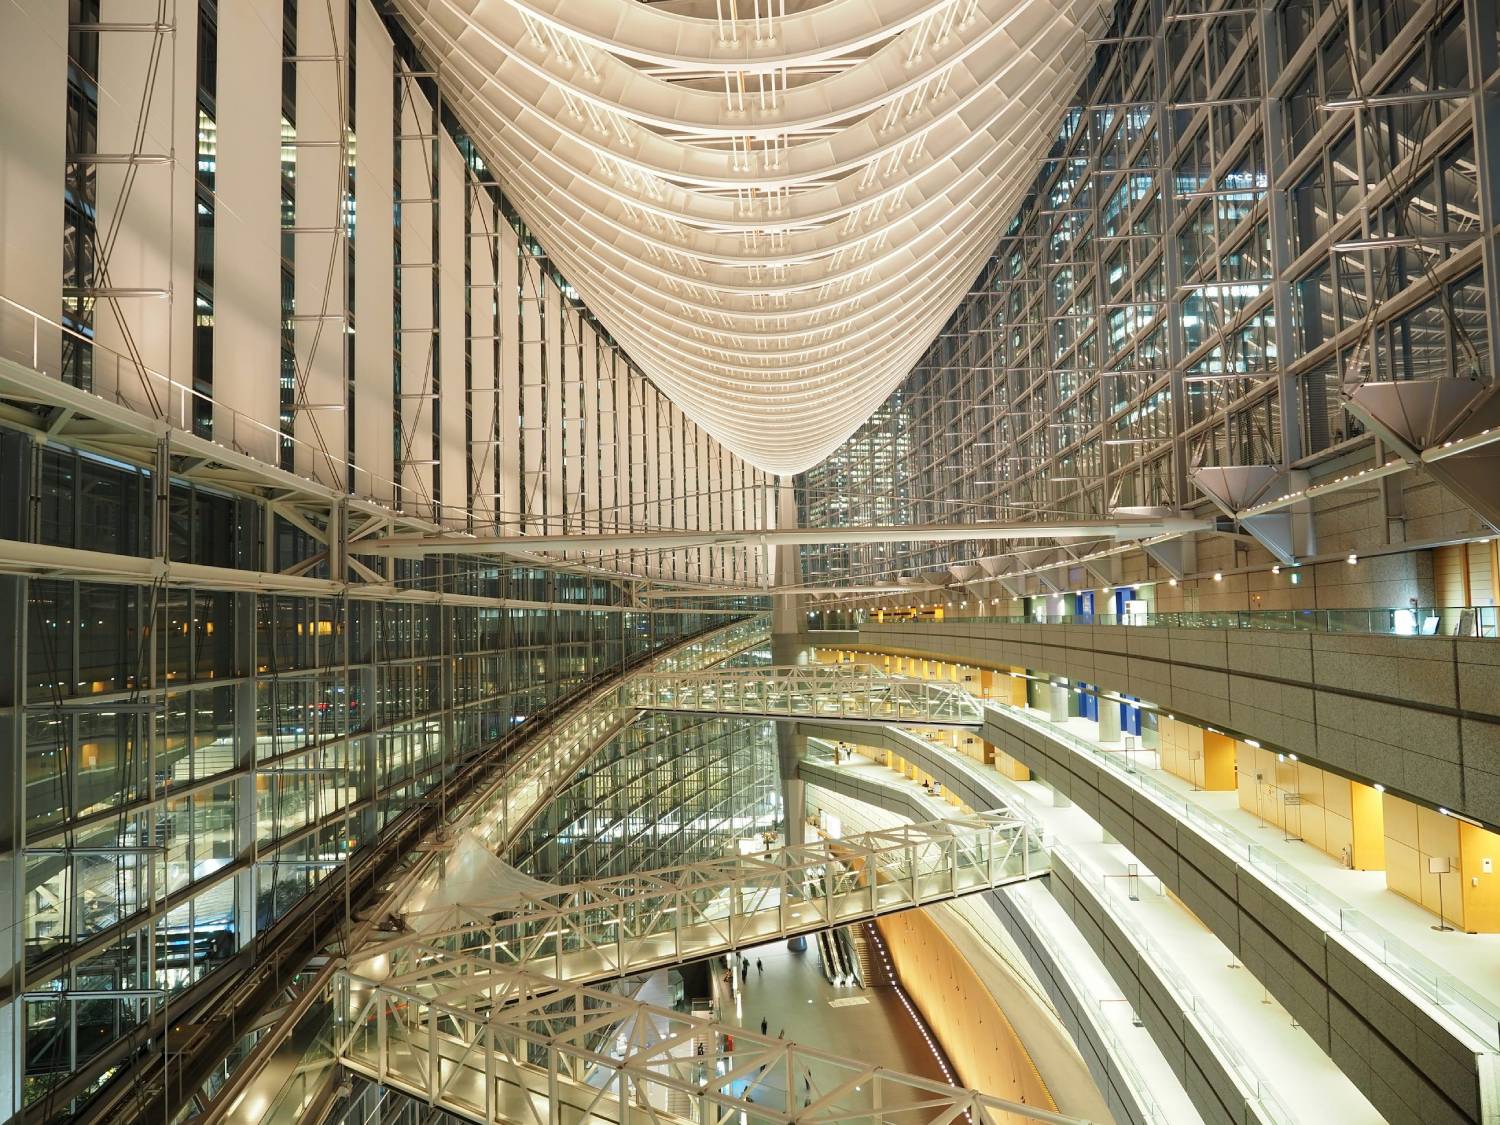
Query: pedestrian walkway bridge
point(850, 693)
point(491, 1009)
point(576, 1054)
point(627, 924)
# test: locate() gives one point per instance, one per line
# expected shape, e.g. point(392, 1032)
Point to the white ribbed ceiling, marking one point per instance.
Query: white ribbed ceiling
point(773, 208)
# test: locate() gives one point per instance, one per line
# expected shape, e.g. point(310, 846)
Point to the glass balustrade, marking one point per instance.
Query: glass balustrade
point(1398, 961)
point(1481, 621)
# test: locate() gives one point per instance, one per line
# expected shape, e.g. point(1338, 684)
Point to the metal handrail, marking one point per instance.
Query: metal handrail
point(1474, 1014)
point(176, 403)
point(441, 1036)
point(476, 782)
point(1476, 621)
point(814, 691)
point(617, 926)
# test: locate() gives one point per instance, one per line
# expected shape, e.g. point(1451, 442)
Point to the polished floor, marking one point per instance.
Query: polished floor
point(792, 995)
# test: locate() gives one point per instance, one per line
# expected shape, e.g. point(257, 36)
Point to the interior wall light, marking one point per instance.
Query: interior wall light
point(1296, 578)
point(1379, 788)
point(1352, 559)
point(1218, 576)
point(1276, 569)
point(1171, 581)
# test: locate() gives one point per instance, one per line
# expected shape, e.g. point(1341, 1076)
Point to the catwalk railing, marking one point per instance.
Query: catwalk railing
point(631, 923)
point(1390, 621)
point(551, 1055)
point(849, 693)
point(484, 1009)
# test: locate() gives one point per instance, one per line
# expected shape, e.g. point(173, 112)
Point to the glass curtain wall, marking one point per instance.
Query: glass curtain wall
point(1246, 212)
point(192, 762)
point(668, 789)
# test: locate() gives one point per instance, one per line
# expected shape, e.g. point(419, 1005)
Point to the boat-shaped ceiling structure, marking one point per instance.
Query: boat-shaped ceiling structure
point(773, 207)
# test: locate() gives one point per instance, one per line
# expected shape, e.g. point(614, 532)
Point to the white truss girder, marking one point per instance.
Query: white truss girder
point(857, 693)
point(774, 214)
point(606, 928)
point(570, 1053)
point(484, 1007)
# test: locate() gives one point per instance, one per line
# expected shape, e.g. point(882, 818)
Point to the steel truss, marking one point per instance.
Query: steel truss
point(607, 928)
point(483, 1007)
point(1263, 242)
point(555, 1054)
point(850, 692)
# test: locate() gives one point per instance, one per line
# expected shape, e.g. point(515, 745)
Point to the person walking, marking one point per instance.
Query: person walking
point(760, 966)
point(745, 971)
point(763, 1025)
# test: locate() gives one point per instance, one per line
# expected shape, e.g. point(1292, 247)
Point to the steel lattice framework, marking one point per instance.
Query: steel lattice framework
point(606, 928)
point(774, 210)
point(484, 1008)
point(857, 693)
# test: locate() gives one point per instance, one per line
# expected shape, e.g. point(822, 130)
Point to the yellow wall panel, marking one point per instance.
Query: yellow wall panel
point(968, 1022)
point(1479, 855)
point(1367, 820)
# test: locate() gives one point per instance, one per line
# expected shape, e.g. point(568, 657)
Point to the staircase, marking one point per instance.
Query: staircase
point(872, 968)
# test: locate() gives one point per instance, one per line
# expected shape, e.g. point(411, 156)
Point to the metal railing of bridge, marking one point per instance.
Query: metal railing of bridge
point(556, 1055)
point(848, 692)
point(631, 923)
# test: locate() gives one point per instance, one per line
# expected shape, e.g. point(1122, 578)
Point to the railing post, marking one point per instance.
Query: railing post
point(382, 1036)
point(434, 1059)
point(554, 1102)
point(491, 1102)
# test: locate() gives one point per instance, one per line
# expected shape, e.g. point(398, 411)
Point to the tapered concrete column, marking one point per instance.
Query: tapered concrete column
point(1057, 701)
point(1109, 721)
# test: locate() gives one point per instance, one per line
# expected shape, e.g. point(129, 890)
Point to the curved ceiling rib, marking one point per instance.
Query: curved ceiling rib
point(775, 213)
